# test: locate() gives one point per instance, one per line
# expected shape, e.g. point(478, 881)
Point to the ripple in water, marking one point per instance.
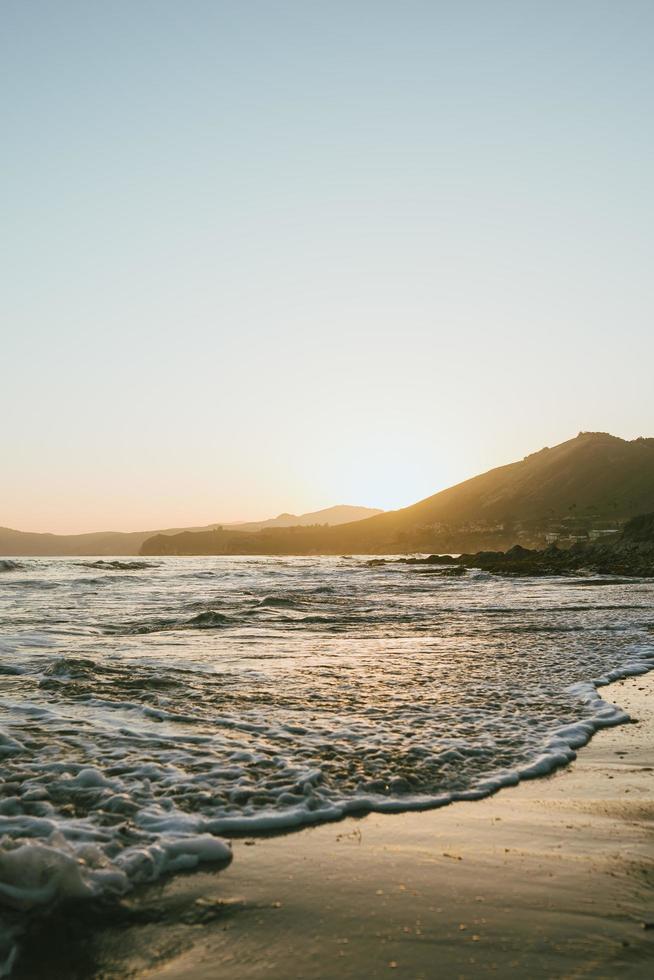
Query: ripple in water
point(198, 697)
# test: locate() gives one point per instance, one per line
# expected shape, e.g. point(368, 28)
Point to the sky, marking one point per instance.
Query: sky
point(274, 255)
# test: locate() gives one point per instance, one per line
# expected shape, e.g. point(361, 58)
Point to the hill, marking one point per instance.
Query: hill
point(332, 516)
point(586, 486)
point(25, 543)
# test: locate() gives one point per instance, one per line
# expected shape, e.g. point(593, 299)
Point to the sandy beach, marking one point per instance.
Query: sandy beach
point(552, 878)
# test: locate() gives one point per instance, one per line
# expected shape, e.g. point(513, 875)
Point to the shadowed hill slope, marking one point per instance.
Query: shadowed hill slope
point(26, 543)
point(593, 479)
point(629, 553)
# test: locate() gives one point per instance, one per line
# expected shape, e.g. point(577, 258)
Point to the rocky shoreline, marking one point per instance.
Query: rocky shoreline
point(630, 555)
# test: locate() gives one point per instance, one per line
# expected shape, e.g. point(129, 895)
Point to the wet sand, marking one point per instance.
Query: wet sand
point(552, 878)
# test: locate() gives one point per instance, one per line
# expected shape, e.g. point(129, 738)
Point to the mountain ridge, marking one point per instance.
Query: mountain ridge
point(42, 544)
point(333, 516)
point(573, 488)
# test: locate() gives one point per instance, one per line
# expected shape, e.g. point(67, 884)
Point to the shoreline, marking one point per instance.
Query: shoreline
point(549, 878)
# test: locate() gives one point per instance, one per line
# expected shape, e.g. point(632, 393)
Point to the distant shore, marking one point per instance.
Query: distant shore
point(551, 878)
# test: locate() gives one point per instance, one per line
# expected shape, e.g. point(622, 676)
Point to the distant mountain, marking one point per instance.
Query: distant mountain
point(24, 543)
point(27, 543)
point(584, 486)
point(332, 516)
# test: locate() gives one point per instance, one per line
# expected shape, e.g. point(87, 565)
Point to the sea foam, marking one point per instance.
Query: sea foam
point(253, 696)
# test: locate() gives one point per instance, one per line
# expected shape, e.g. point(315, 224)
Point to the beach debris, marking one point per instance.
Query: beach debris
point(353, 835)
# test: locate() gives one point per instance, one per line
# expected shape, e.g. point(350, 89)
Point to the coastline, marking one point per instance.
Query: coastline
point(551, 878)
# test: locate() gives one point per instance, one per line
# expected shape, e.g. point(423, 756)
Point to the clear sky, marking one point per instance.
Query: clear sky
point(263, 256)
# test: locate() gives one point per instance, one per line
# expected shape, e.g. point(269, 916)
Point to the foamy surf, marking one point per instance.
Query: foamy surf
point(144, 721)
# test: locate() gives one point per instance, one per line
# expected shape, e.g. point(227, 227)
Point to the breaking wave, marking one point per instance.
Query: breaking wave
point(141, 723)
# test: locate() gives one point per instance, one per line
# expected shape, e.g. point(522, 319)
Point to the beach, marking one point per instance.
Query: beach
point(552, 878)
point(327, 510)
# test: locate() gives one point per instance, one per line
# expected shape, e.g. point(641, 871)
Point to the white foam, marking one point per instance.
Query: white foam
point(54, 867)
point(126, 757)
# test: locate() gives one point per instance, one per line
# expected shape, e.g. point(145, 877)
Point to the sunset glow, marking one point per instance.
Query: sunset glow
point(272, 257)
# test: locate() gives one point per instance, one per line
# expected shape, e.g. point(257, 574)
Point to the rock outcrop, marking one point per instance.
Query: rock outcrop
point(630, 554)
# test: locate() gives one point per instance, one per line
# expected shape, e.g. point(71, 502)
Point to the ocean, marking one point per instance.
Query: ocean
point(149, 709)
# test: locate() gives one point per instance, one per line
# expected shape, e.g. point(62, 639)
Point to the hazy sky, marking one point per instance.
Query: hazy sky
point(263, 256)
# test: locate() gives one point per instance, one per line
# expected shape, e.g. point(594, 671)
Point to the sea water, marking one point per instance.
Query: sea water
point(151, 708)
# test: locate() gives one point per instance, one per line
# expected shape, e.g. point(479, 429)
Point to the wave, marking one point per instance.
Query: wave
point(278, 602)
point(118, 566)
point(210, 619)
point(44, 863)
point(31, 583)
point(46, 857)
point(71, 667)
point(8, 565)
point(207, 620)
point(131, 758)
